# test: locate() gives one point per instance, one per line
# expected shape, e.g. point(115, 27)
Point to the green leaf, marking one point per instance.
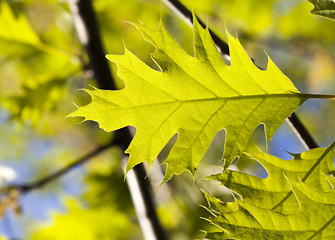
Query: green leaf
point(324, 8)
point(242, 220)
point(314, 167)
point(194, 97)
point(90, 224)
point(42, 93)
point(16, 30)
point(17, 37)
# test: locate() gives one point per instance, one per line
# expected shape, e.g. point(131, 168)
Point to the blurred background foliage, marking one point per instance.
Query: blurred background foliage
point(42, 65)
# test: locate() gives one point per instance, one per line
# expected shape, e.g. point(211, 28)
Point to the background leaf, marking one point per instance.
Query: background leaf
point(13, 28)
point(313, 220)
point(89, 224)
point(315, 167)
point(324, 8)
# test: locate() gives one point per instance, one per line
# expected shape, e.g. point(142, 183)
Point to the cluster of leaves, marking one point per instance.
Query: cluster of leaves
point(295, 201)
point(39, 82)
point(192, 96)
point(31, 96)
point(198, 96)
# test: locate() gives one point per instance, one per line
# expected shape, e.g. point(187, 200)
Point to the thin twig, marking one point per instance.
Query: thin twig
point(78, 162)
point(16, 191)
point(87, 31)
point(301, 131)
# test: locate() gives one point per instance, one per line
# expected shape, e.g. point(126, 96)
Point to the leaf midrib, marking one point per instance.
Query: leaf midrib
point(233, 98)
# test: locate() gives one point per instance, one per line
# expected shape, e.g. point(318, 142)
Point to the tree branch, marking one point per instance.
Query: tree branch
point(297, 126)
point(44, 181)
point(302, 133)
point(16, 191)
point(87, 31)
point(88, 34)
point(187, 16)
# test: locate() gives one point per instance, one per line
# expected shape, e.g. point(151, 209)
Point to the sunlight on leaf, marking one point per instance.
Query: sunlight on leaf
point(87, 224)
point(295, 201)
point(193, 96)
point(314, 220)
point(315, 167)
point(13, 29)
point(18, 38)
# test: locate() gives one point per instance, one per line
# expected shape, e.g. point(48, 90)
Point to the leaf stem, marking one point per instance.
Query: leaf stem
point(283, 200)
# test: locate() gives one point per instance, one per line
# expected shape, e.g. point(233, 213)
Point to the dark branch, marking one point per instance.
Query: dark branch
point(78, 162)
point(88, 34)
point(14, 192)
point(187, 16)
point(301, 131)
point(87, 30)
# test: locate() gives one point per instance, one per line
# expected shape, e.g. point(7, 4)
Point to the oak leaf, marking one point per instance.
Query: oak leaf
point(193, 96)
